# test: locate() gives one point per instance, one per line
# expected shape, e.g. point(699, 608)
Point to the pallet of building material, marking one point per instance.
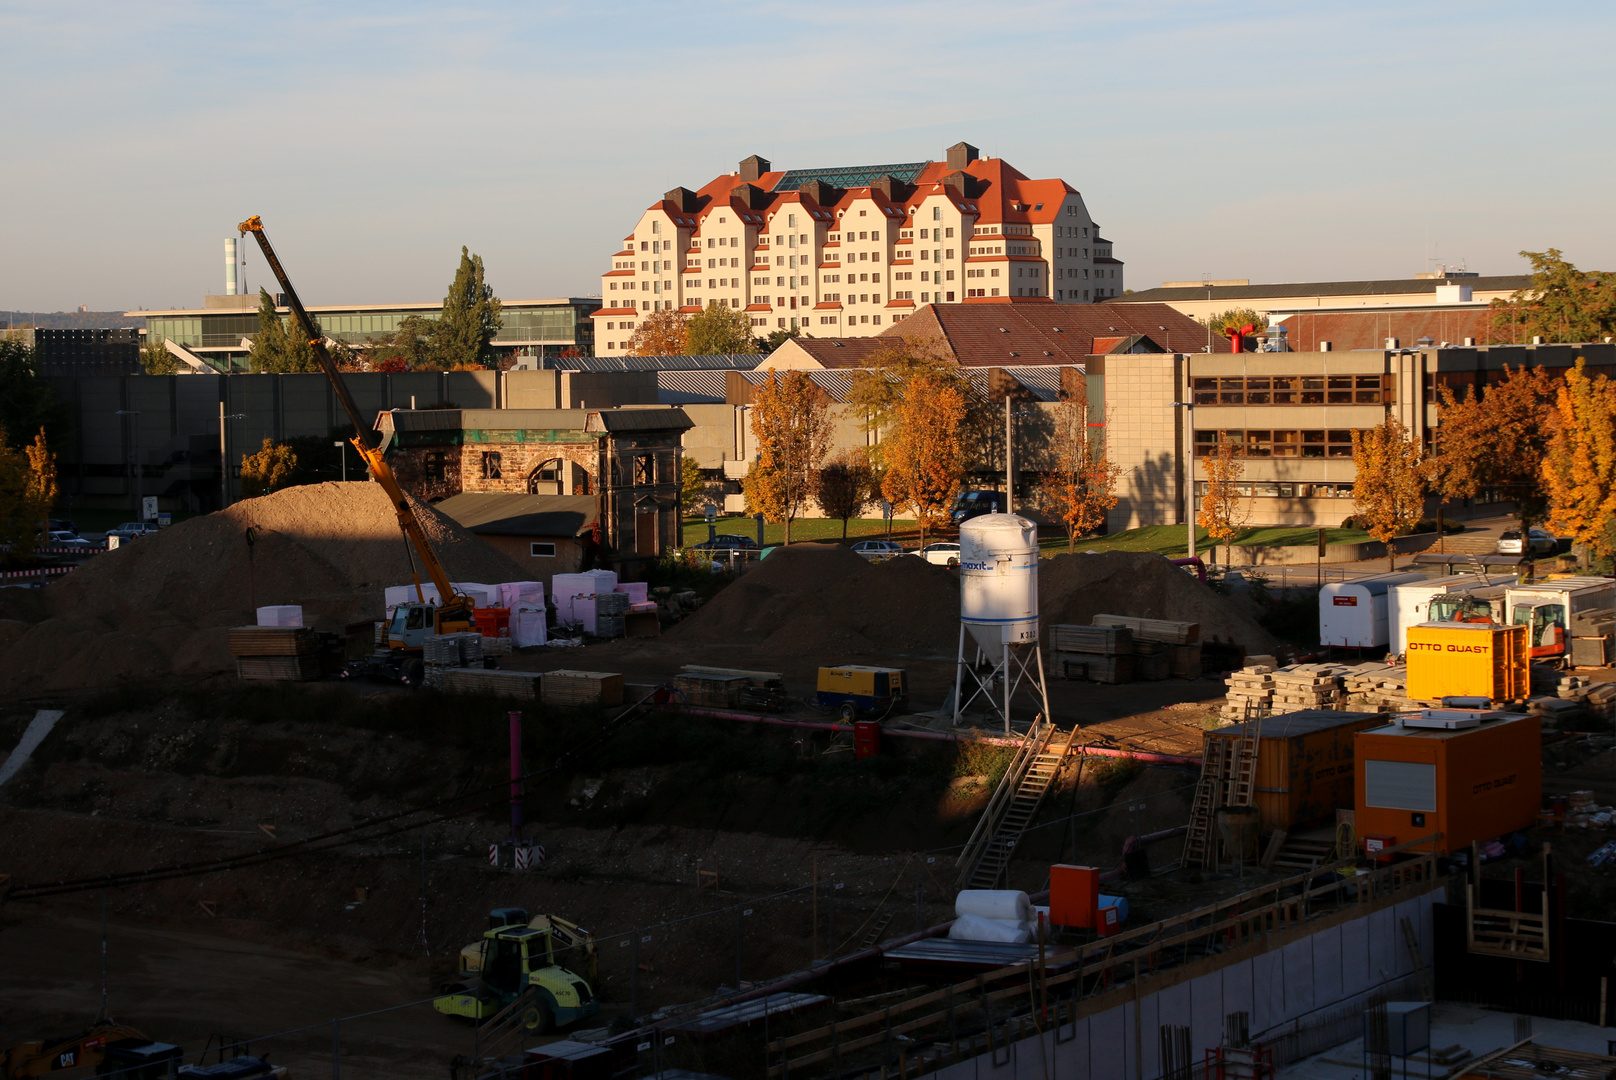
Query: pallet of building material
point(1099, 640)
point(272, 641)
point(1092, 666)
point(500, 683)
point(305, 668)
point(609, 626)
point(1186, 661)
point(496, 646)
point(453, 650)
point(711, 690)
point(1165, 631)
point(582, 688)
point(1152, 667)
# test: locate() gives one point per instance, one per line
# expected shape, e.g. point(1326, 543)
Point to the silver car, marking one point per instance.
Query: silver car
point(1542, 543)
point(878, 550)
point(946, 553)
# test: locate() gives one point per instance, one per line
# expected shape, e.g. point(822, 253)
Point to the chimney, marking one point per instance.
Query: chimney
point(962, 154)
point(749, 194)
point(1391, 343)
point(683, 198)
point(230, 266)
point(1324, 346)
point(885, 185)
point(1536, 340)
point(753, 168)
point(819, 191)
point(1470, 342)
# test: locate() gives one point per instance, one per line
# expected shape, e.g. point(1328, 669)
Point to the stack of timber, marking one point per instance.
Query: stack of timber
point(1306, 686)
point(711, 689)
point(1251, 690)
point(517, 684)
point(275, 653)
point(1162, 630)
point(1121, 648)
point(582, 688)
point(1162, 648)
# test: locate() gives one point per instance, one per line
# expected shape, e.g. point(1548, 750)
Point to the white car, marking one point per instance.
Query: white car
point(1542, 543)
point(940, 554)
point(131, 529)
point(61, 538)
point(877, 550)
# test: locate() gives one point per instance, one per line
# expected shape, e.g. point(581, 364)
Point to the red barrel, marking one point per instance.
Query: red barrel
point(866, 739)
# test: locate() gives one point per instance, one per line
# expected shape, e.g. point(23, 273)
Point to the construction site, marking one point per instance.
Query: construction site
point(320, 781)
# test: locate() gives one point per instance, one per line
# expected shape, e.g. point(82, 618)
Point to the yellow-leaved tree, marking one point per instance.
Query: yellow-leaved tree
point(661, 333)
point(1579, 467)
point(1389, 492)
point(1224, 511)
point(270, 469)
point(27, 492)
point(791, 424)
point(924, 452)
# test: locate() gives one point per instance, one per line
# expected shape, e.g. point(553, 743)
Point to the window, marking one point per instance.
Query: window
point(791, 220)
point(434, 465)
point(491, 465)
point(949, 233)
point(937, 213)
point(644, 469)
point(538, 550)
point(1313, 443)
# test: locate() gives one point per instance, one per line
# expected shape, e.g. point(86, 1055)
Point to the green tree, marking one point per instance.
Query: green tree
point(272, 468)
point(155, 358)
point(1389, 491)
point(791, 424)
point(1562, 303)
point(719, 330)
point(27, 402)
point(278, 348)
point(471, 317)
point(778, 338)
point(409, 348)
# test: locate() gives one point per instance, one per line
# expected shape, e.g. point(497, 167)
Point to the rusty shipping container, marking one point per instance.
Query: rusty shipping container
point(1468, 783)
point(1304, 764)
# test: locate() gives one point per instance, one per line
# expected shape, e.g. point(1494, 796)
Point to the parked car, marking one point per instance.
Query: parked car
point(1542, 543)
point(972, 504)
point(941, 554)
point(129, 530)
point(727, 542)
point(63, 525)
point(878, 550)
point(62, 538)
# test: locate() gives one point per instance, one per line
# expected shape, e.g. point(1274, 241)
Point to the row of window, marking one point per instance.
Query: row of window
point(1295, 390)
point(1274, 490)
point(1312, 443)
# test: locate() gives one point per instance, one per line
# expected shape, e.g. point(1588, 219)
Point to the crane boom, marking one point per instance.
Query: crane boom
point(454, 608)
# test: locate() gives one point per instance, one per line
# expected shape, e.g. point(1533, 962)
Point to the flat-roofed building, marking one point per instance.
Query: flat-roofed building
point(1200, 299)
point(847, 252)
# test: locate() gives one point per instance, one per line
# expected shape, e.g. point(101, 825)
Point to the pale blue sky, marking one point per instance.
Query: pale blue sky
point(1270, 141)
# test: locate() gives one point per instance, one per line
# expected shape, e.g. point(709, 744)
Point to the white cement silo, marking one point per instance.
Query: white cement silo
point(999, 580)
point(999, 607)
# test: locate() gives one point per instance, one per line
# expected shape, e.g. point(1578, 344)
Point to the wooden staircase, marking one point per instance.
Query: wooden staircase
point(988, 854)
point(1301, 853)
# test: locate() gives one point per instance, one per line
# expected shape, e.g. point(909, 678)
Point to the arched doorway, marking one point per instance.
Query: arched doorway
point(558, 476)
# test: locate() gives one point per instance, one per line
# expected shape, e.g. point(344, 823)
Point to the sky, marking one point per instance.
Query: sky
point(1294, 141)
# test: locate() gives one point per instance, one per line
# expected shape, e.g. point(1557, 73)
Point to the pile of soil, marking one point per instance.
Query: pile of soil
point(821, 598)
point(1072, 589)
point(164, 604)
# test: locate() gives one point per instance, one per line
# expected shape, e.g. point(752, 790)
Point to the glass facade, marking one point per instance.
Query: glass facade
point(564, 324)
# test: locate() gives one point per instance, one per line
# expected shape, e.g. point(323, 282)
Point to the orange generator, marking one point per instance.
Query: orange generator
point(1468, 774)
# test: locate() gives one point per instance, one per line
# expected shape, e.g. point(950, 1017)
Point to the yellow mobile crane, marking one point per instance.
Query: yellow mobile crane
point(404, 635)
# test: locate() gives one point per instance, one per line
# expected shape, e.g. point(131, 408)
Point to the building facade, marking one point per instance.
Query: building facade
point(1455, 290)
point(847, 252)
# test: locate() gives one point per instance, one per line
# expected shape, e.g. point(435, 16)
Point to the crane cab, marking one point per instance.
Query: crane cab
point(411, 622)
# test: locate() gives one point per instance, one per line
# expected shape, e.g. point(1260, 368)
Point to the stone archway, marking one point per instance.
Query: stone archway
point(558, 476)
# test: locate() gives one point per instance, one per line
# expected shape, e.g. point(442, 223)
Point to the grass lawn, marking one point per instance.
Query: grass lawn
point(904, 531)
point(1170, 540)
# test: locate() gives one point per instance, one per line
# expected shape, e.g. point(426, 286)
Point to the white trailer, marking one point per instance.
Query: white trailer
point(1411, 601)
point(1356, 614)
point(1556, 611)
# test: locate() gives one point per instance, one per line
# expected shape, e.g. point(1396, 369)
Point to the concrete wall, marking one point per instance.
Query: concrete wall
point(1145, 436)
point(1280, 988)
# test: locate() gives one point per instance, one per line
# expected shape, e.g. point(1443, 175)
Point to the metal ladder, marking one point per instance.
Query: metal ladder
point(1007, 816)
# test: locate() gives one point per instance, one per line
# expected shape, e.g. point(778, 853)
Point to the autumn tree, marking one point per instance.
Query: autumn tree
point(1224, 511)
point(661, 333)
point(719, 330)
point(272, 468)
point(408, 348)
point(1579, 467)
point(155, 359)
point(464, 334)
point(1245, 320)
point(1562, 303)
point(1495, 438)
point(924, 452)
point(791, 425)
point(42, 486)
point(692, 484)
point(27, 491)
point(877, 391)
point(1389, 492)
point(1082, 485)
point(846, 487)
point(278, 347)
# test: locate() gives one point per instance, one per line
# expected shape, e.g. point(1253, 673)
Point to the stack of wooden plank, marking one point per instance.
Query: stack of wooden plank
point(275, 653)
point(1165, 631)
point(517, 684)
point(1093, 667)
point(582, 688)
point(711, 690)
point(1100, 640)
point(1251, 685)
point(1186, 661)
point(1152, 667)
point(1306, 686)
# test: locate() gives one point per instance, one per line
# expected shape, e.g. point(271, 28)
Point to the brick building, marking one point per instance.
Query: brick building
point(627, 459)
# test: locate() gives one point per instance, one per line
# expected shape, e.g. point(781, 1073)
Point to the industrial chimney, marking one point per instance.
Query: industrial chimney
point(230, 288)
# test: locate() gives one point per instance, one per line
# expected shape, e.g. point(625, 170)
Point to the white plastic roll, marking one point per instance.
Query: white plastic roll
point(994, 904)
point(977, 928)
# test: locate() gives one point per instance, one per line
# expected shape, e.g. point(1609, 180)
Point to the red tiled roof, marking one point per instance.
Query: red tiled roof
point(758, 307)
point(827, 307)
point(611, 312)
point(617, 273)
point(985, 330)
point(900, 303)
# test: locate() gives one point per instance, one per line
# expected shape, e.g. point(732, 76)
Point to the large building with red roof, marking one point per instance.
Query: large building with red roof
point(848, 252)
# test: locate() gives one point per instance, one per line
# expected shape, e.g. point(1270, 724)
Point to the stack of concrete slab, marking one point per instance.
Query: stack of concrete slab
point(1250, 687)
point(1306, 686)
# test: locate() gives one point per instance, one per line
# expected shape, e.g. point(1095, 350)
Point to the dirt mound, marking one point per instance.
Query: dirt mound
point(1075, 588)
point(161, 604)
point(822, 599)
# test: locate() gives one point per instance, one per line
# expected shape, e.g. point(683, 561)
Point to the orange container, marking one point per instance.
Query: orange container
point(866, 739)
point(1074, 895)
point(1468, 784)
point(492, 621)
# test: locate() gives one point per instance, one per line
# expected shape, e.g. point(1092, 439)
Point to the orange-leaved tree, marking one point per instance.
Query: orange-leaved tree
point(661, 333)
point(1579, 467)
point(1495, 439)
point(1224, 510)
point(1082, 485)
point(1389, 491)
point(924, 452)
point(268, 470)
point(42, 488)
point(791, 424)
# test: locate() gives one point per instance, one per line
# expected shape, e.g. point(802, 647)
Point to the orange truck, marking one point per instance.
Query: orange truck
point(1468, 774)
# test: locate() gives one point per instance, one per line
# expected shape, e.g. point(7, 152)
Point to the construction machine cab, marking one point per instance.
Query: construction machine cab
point(1546, 627)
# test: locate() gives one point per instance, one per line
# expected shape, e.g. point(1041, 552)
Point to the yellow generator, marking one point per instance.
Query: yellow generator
point(1481, 660)
point(857, 690)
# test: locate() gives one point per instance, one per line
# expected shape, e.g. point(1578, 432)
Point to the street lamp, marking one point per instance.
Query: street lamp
point(134, 458)
point(343, 455)
point(224, 456)
point(1187, 457)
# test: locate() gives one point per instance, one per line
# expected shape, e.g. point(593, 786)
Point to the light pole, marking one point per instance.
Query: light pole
point(343, 455)
point(134, 457)
point(224, 456)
